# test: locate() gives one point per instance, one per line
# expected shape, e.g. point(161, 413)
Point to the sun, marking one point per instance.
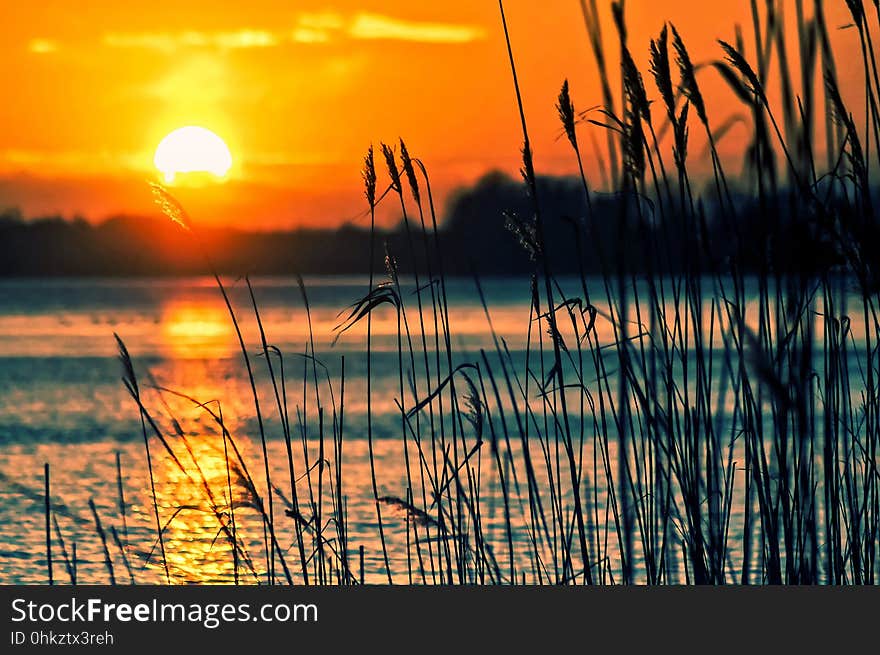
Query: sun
point(192, 149)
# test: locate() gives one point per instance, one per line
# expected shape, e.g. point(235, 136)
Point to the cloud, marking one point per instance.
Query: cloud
point(170, 42)
point(323, 27)
point(322, 21)
point(310, 28)
point(310, 35)
point(42, 46)
point(376, 26)
point(317, 27)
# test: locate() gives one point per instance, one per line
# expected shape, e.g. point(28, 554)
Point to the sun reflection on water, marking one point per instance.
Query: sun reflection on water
point(197, 329)
point(200, 523)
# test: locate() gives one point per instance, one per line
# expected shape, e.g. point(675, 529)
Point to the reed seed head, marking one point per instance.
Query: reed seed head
point(661, 70)
point(736, 59)
point(410, 171)
point(170, 206)
point(393, 170)
point(565, 107)
point(689, 85)
point(369, 175)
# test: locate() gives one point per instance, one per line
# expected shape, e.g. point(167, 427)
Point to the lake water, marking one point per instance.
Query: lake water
point(62, 402)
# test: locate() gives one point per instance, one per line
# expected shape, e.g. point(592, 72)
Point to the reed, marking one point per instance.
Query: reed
point(121, 496)
point(131, 383)
point(48, 515)
point(99, 529)
point(67, 560)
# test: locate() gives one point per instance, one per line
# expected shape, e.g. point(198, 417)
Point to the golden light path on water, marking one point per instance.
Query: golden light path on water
point(199, 533)
point(194, 329)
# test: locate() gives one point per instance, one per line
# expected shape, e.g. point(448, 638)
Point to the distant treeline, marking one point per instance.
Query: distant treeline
point(487, 228)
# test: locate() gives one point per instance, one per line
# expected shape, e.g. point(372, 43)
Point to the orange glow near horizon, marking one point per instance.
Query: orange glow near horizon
point(299, 93)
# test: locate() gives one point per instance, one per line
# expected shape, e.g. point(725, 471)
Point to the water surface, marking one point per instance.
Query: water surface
point(62, 402)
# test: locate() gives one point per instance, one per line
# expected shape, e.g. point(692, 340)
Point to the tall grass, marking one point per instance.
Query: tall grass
point(715, 424)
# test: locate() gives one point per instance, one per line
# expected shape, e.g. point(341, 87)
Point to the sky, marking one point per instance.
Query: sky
point(299, 90)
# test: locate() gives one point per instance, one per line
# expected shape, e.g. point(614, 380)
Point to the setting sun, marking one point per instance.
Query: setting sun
point(192, 149)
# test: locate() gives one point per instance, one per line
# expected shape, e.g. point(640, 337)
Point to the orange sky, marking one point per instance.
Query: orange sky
point(299, 90)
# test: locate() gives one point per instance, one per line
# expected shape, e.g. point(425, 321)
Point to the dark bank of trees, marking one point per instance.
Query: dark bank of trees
point(485, 230)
